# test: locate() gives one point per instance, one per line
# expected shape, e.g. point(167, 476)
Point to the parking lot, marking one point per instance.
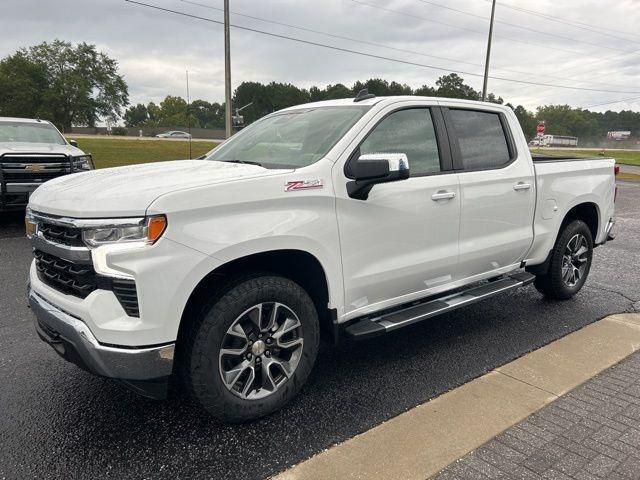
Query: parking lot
point(57, 420)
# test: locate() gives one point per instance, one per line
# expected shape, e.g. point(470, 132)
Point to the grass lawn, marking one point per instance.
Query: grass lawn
point(631, 157)
point(114, 152)
point(629, 177)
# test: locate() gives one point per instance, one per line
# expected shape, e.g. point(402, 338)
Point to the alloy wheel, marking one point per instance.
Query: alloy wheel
point(261, 350)
point(575, 260)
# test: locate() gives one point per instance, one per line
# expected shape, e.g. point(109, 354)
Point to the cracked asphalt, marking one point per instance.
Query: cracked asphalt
point(57, 421)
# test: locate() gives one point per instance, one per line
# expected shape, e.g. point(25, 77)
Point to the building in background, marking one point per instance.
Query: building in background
point(619, 135)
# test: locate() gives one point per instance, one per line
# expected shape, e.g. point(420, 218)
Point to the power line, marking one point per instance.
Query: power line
point(470, 14)
point(378, 45)
point(450, 25)
point(370, 55)
point(573, 23)
point(612, 102)
point(624, 52)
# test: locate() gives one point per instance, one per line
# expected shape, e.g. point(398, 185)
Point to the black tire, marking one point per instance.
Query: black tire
point(553, 283)
point(203, 370)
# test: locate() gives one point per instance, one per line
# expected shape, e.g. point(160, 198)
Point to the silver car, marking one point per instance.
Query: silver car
point(174, 134)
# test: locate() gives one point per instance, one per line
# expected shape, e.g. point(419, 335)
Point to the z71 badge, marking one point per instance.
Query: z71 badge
point(302, 185)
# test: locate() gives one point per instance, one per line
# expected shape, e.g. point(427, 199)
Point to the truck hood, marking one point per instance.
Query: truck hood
point(128, 191)
point(25, 147)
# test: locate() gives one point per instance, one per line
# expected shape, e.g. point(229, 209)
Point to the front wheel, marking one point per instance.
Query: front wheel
point(253, 349)
point(570, 262)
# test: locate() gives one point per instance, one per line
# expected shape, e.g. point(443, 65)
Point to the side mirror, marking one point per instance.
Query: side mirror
point(73, 143)
point(373, 168)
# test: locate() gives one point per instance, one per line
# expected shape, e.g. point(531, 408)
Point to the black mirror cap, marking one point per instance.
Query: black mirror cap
point(370, 172)
point(73, 143)
point(371, 169)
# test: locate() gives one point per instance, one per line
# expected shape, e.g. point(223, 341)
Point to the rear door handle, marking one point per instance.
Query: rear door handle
point(443, 195)
point(522, 186)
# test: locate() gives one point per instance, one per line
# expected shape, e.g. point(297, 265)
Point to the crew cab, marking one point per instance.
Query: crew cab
point(33, 151)
point(342, 219)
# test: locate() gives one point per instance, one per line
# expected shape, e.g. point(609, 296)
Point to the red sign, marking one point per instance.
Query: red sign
point(540, 128)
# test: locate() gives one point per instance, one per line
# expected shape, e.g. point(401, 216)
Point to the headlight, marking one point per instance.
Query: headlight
point(30, 224)
point(145, 230)
point(83, 162)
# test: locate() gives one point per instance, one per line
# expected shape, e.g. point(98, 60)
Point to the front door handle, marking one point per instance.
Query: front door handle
point(443, 195)
point(521, 186)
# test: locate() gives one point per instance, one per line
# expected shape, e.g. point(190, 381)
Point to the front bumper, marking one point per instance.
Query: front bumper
point(15, 196)
point(146, 370)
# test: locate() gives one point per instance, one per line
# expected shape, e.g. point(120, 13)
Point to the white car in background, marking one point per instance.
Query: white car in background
point(174, 134)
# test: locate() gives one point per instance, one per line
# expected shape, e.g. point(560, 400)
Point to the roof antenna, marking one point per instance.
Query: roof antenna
point(363, 95)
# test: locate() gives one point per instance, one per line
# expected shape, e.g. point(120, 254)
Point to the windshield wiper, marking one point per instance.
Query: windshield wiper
point(247, 162)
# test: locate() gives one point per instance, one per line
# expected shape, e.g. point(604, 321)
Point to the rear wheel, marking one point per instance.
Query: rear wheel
point(253, 349)
point(570, 262)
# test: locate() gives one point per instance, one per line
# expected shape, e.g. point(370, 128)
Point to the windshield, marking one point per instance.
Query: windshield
point(290, 139)
point(27, 132)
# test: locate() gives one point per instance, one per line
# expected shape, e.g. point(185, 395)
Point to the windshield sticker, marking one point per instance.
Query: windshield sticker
point(303, 185)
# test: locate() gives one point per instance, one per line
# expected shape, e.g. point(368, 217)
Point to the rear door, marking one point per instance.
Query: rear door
point(497, 187)
point(402, 241)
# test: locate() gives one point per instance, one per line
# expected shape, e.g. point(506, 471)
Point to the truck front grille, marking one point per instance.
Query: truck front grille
point(70, 278)
point(34, 168)
point(29, 177)
point(69, 236)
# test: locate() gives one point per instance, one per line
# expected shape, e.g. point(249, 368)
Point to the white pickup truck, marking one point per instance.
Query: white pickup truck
point(338, 219)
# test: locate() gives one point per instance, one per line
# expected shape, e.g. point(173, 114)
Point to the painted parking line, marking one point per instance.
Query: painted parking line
point(422, 441)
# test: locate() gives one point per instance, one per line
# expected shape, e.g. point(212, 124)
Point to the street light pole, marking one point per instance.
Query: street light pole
point(227, 73)
point(486, 63)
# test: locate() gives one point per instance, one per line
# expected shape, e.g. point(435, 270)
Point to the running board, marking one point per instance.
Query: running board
point(377, 325)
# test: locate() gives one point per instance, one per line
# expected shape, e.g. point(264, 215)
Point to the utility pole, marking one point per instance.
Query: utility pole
point(227, 73)
point(486, 63)
point(189, 115)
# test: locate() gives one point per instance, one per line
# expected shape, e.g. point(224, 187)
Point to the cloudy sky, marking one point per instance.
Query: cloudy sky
point(587, 44)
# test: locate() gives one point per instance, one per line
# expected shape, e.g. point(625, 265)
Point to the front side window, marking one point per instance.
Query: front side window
point(29, 132)
point(482, 140)
point(292, 139)
point(410, 132)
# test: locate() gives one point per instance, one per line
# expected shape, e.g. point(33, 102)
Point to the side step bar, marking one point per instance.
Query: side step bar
point(377, 325)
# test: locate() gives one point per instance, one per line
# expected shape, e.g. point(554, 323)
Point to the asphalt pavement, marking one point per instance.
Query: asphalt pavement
point(58, 421)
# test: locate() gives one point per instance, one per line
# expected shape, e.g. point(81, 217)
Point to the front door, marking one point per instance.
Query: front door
point(402, 241)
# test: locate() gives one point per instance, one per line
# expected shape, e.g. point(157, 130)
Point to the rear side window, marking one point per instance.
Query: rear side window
point(407, 131)
point(482, 140)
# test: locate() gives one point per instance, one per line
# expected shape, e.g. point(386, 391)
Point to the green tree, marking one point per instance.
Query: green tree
point(208, 115)
point(565, 120)
point(425, 91)
point(136, 115)
point(22, 85)
point(381, 87)
point(265, 99)
point(453, 86)
point(67, 84)
point(526, 119)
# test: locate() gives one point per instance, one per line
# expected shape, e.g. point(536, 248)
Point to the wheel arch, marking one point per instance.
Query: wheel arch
point(588, 212)
point(297, 265)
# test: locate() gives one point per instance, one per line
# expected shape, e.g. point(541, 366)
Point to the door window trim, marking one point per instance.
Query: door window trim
point(442, 142)
point(456, 153)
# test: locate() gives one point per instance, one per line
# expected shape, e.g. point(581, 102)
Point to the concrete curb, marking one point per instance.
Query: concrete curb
point(422, 441)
